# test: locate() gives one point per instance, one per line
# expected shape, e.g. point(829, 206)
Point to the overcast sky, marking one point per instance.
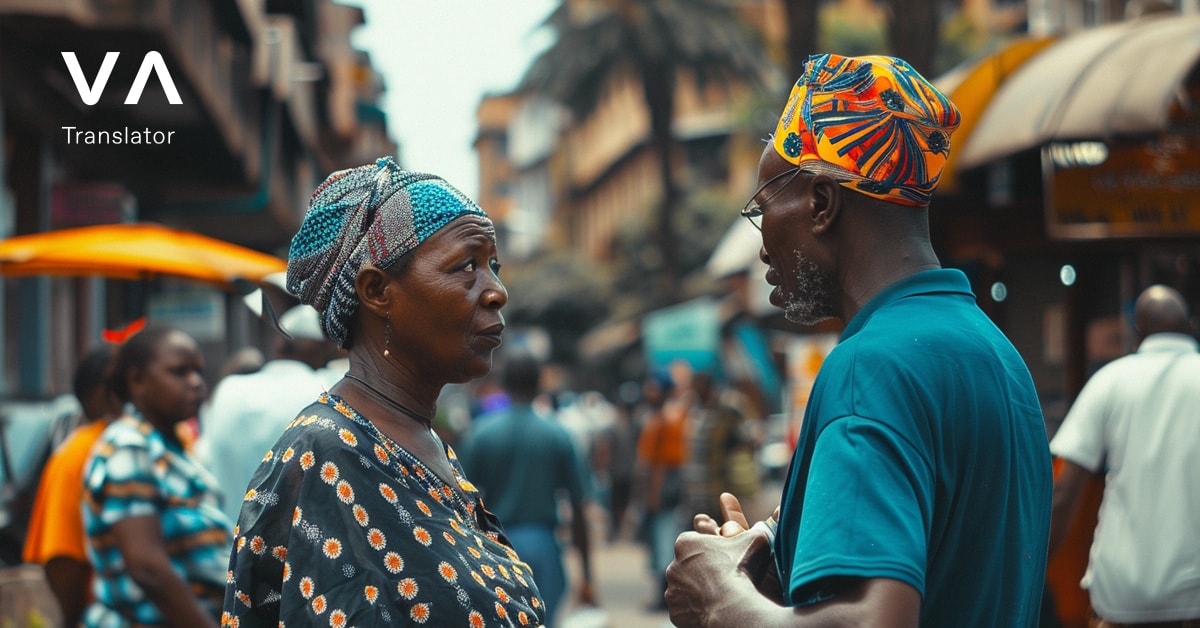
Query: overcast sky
point(439, 57)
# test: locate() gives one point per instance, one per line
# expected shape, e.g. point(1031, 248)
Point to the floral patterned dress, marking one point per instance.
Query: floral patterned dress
point(343, 527)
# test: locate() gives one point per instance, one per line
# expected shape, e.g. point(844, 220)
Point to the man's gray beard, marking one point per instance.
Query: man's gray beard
point(812, 302)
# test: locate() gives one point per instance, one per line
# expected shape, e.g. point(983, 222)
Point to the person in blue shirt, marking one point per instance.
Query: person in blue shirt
point(523, 463)
point(920, 490)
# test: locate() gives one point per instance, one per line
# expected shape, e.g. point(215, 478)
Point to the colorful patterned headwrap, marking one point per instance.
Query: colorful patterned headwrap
point(372, 214)
point(879, 127)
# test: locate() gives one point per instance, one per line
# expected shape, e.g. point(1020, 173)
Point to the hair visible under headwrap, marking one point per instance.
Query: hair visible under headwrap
point(373, 214)
point(873, 122)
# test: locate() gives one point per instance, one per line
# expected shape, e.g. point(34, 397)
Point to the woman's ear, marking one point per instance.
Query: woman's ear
point(371, 285)
point(827, 203)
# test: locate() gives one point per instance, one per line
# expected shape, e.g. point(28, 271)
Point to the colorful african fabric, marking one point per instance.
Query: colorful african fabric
point(881, 125)
point(343, 527)
point(372, 214)
point(135, 472)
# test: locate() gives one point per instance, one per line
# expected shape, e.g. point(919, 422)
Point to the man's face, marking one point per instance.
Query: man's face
point(803, 288)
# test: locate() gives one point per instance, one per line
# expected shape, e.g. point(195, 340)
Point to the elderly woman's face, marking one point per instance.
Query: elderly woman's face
point(447, 319)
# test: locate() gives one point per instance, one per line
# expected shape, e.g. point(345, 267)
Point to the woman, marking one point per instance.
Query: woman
point(156, 535)
point(360, 515)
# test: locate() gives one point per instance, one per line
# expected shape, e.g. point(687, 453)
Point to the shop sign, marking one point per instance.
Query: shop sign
point(1123, 189)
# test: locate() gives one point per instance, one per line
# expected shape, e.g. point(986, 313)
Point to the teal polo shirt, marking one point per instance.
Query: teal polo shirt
point(922, 458)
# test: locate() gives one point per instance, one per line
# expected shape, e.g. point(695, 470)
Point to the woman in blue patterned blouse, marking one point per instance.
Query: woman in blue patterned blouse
point(156, 534)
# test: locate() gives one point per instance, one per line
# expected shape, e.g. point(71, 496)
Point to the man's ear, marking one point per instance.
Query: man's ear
point(371, 284)
point(827, 203)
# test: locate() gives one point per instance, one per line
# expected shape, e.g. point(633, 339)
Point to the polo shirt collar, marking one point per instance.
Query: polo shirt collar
point(1168, 342)
point(924, 282)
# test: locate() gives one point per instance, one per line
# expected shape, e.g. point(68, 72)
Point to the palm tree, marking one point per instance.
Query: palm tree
point(601, 41)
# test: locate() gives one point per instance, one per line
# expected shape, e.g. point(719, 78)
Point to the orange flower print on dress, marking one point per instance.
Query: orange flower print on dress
point(337, 619)
point(371, 593)
point(437, 497)
point(447, 492)
point(475, 619)
point(478, 578)
point(332, 548)
point(306, 587)
point(250, 495)
point(241, 542)
point(393, 562)
point(287, 571)
point(329, 473)
point(501, 595)
point(503, 570)
point(258, 545)
point(267, 456)
point(348, 437)
point(488, 571)
point(501, 611)
point(536, 603)
point(376, 539)
point(345, 492)
point(242, 597)
point(361, 516)
point(419, 613)
point(474, 552)
point(422, 536)
point(420, 472)
point(388, 493)
point(466, 485)
point(381, 454)
point(296, 515)
point(523, 618)
point(287, 454)
point(279, 552)
point(449, 539)
point(307, 460)
point(318, 604)
point(407, 588)
point(424, 508)
point(447, 572)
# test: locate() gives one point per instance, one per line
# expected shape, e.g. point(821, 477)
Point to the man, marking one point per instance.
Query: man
point(919, 493)
point(249, 412)
point(56, 538)
point(522, 462)
point(1137, 421)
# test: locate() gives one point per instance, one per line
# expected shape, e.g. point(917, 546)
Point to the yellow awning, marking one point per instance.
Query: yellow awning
point(1117, 80)
point(971, 88)
point(134, 251)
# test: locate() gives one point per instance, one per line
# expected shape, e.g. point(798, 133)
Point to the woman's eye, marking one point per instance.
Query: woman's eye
point(470, 266)
point(496, 266)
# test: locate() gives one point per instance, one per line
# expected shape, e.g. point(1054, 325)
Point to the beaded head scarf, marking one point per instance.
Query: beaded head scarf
point(374, 214)
point(872, 122)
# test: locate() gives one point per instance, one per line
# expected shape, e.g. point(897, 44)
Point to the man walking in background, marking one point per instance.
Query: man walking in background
point(1137, 422)
point(523, 463)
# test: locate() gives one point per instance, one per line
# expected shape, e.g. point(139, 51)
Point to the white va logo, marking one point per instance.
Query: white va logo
point(91, 94)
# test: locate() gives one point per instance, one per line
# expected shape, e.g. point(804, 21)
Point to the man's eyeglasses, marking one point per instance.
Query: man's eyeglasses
point(753, 209)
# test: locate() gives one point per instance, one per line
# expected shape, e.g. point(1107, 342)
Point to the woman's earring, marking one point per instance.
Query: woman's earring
point(387, 336)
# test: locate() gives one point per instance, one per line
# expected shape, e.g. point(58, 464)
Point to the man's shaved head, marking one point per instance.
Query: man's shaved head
point(1161, 309)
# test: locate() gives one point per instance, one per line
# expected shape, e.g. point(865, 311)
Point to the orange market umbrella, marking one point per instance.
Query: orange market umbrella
point(134, 251)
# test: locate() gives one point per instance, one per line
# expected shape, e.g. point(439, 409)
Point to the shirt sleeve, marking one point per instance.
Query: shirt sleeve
point(866, 511)
point(1080, 438)
point(124, 484)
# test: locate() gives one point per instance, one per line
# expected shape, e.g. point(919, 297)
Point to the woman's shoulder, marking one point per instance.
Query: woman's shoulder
point(327, 423)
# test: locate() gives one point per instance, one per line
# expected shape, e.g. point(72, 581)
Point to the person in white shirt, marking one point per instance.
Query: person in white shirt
point(1137, 422)
point(248, 412)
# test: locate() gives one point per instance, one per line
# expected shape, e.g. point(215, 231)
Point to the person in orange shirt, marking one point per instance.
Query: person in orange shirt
point(56, 539)
point(662, 452)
